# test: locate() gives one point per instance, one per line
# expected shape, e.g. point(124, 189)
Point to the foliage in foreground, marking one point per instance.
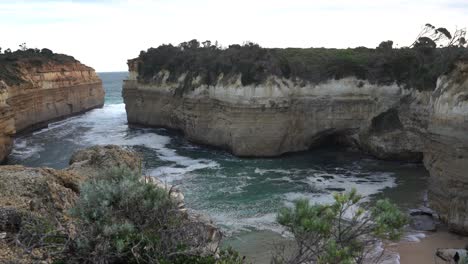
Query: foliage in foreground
point(120, 219)
point(343, 232)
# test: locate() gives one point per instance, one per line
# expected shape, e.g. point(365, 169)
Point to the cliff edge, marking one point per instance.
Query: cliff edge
point(38, 87)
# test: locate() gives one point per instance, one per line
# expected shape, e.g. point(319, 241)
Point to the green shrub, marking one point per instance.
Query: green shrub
point(412, 67)
point(122, 219)
point(343, 232)
point(119, 218)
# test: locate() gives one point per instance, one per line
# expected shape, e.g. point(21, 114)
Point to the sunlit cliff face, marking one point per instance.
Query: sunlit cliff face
point(45, 92)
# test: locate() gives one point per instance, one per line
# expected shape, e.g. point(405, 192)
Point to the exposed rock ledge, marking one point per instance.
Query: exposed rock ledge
point(281, 115)
point(51, 193)
point(34, 94)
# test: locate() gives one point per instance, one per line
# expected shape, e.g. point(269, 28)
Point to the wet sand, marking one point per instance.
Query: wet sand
point(258, 246)
point(423, 252)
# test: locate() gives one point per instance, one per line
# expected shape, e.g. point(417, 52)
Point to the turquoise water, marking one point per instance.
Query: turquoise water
point(241, 195)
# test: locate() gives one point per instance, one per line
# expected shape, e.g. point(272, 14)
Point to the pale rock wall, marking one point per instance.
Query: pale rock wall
point(7, 123)
point(280, 115)
point(53, 91)
point(265, 120)
point(446, 155)
point(48, 92)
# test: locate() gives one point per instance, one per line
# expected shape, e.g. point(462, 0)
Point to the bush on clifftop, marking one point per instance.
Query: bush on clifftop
point(412, 67)
point(9, 62)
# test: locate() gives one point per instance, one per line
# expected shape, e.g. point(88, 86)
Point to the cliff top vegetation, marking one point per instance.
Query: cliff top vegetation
point(10, 61)
point(417, 66)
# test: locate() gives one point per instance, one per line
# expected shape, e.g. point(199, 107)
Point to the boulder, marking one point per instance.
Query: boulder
point(423, 220)
point(451, 255)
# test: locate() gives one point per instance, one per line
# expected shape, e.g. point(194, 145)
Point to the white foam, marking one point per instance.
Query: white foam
point(378, 254)
point(367, 185)
point(24, 150)
point(262, 171)
point(170, 174)
point(238, 223)
point(108, 125)
point(414, 237)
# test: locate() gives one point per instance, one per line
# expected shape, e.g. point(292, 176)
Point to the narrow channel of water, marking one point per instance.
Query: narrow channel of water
point(241, 195)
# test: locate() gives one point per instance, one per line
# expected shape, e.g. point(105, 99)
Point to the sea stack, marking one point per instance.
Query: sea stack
point(38, 87)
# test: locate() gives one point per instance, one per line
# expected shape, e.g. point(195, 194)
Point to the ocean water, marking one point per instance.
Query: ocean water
point(241, 195)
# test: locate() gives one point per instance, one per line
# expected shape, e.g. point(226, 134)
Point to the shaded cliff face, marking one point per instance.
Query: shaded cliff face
point(7, 123)
point(36, 89)
point(284, 115)
point(446, 155)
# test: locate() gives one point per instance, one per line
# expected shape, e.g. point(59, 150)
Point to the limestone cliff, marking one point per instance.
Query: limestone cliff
point(280, 115)
point(7, 123)
point(36, 89)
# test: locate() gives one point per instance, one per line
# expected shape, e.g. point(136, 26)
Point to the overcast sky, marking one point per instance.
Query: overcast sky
point(104, 34)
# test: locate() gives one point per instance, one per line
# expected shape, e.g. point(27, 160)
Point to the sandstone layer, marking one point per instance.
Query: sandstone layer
point(36, 91)
point(284, 115)
point(7, 124)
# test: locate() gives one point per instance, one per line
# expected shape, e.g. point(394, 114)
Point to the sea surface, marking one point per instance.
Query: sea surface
point(241, 195)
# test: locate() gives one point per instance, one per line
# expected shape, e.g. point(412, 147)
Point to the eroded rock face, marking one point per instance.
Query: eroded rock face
point(267, 120)
point(446, 154)
point(45, 92)
point(53, 91)
point(282, 115)
point(7, 123)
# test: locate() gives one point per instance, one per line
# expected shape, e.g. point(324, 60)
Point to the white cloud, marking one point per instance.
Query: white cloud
point(104, 34)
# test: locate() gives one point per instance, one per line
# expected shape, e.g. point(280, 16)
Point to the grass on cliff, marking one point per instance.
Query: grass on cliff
point(10, 62)
point(412, 67)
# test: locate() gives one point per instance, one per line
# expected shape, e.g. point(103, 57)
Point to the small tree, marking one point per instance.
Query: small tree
point(343, 232)
point(23, 46)
point(385, 45)
point(46, 51)
point(431, 36)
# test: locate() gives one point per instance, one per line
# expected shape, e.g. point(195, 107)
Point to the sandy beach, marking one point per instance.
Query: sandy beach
point(423, 252)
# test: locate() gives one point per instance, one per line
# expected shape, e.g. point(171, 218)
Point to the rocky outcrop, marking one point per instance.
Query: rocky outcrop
point(283, 115)
point(37, 89)
point(50, 194)
point(95, 161)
